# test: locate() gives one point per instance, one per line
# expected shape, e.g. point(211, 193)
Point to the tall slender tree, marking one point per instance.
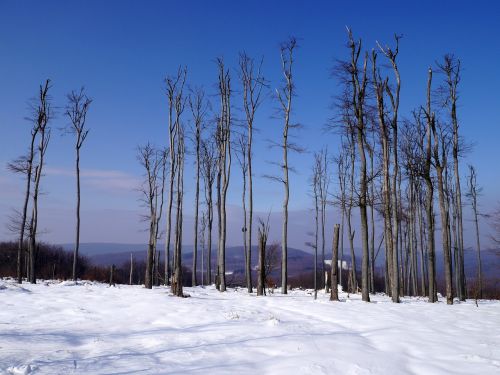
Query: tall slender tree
point(76, 111)
point(224, 123)
point(42, 110)
point(285, 95)
point(359, 82)
point(440, 153)
point(253, 83)
point(430, 119)
point(151, 162)
point(199, 108)
point(177, 288)
point(451, 68)
point(209, 170)
point(241, 155)
point(474, 192)
point(24, 165)
point(174, 90)
point(323, 192)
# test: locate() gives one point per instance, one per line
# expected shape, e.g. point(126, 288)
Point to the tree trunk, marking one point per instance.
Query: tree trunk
point(111, 276)
point(430, 196)
point(77, 241)
point(197, 199)
point(334, 288)
point(445, 237)
point(131, 274)
point(25, 207)
point(261, 277)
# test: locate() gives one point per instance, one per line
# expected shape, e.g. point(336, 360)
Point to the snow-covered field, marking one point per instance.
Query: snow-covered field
point(89, 328)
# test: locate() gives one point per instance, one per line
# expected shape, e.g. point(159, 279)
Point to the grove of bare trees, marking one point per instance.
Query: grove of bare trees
point(385, 184)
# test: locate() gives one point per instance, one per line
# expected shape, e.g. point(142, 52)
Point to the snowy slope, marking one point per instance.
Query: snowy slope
point(61, 328)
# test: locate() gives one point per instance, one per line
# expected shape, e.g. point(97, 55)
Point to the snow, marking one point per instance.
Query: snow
point(90, 328)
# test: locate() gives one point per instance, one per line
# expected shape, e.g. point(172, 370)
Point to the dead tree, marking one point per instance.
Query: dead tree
point(334, 281)
point(209, 168)
point(474, 192)
point(263, 232)
point(199, 108)
point(253, 82)
point(224, 123)
point(42, 111)
point(76, 111)
point(174, 90)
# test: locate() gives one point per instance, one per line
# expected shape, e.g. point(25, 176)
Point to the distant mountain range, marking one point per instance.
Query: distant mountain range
point(299, 261)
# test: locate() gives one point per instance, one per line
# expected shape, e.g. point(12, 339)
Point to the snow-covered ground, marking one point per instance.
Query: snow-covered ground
point(90, 328)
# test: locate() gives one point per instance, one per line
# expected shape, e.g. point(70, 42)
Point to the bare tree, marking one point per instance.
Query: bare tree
point(334, 281)
point(253, 82)
point(451, 68)
point(174, 90)
point(150, 159)
point(440, 153)
point(350, 149)
point(342, 171)
point(315, 182)
point(474, 192)
point(24, 166)
point(495, 224)
point(263, 232)
point(388, 120)
point(224, 123)
point(180, 150)
point(285, 95)
point(209, 167)
point(323, 191)
point(272, 261)
point(203, 228)
point(359, 81)
point(42, 114)
point(76, 111)
point(199, 108)
point(430, 119)
point(242, 157)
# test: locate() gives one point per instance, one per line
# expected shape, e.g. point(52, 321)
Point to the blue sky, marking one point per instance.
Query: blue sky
point(122, 50)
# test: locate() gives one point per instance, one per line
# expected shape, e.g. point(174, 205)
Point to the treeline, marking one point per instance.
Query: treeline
point(403, 170)
point(50, 261)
